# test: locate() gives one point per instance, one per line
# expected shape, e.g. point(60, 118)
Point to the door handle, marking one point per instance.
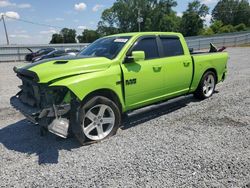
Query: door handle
point(186, 63)
point(157, 68)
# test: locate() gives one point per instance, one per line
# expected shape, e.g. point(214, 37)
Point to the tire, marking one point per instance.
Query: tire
point(206, 86)
point(99, 119)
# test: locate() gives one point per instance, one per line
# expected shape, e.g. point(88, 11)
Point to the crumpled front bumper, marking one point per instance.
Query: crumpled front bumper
point(33, 114)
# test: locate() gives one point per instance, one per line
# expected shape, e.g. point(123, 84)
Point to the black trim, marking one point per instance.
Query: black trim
point(160, 47)
point(26, 73)
point(138, 40)
point(169, 37)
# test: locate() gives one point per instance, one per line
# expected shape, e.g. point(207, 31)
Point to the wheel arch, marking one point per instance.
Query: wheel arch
point(214, 71)
point(108, 93)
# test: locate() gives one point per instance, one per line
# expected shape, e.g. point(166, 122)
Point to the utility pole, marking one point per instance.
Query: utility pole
point(139, 19)
point(5, 29)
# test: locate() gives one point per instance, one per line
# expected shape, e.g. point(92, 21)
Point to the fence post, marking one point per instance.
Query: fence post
point(18, 54)
point(199, 44)
point(235, 40)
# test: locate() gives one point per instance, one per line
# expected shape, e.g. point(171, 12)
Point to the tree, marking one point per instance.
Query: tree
point(207, 31)
point(170, 22)
point(65, 36)
point(69, 35)
point(240, 27)
point(88, 36)
point(56, 38)
point(107, 24)
point(232, 12)
point(192, 22)
point(227, 29)
point(216, 25)
point(122, 16)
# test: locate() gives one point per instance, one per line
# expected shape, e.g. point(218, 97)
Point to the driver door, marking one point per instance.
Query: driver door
point(143, 80)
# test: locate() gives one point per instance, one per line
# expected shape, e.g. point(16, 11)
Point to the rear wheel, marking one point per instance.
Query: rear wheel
point(207, 86)
point(99, 119)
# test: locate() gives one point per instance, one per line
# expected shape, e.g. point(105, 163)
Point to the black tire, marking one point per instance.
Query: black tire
point(199, 93)
point(89, 104)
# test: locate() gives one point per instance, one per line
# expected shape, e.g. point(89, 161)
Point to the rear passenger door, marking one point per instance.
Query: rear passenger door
point(178, 67)
point(143, 80)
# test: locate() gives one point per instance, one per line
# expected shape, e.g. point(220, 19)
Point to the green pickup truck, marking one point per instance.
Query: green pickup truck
point(86, 95)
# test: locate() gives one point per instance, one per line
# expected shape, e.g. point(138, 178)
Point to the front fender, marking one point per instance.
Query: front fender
point(84, 84)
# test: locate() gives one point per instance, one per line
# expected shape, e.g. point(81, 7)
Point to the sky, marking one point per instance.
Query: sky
point(56, 14)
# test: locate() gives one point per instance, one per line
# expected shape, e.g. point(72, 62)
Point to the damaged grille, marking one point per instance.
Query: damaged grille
point(30, 93)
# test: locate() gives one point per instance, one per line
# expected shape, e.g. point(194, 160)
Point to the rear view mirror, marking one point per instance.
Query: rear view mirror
point(138, 55)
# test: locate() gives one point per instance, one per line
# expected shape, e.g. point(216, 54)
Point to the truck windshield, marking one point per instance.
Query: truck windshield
point(105, 47)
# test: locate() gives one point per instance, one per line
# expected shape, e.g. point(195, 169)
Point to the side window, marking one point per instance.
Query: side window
point(149, 46)
point(172, 47)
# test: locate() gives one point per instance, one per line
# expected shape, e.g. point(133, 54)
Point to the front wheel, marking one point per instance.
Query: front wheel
point(207, 86)
point(99, 119)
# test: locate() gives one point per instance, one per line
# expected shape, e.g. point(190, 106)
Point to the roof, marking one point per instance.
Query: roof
point(145, 33)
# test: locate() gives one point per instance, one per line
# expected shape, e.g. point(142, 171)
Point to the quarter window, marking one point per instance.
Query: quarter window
point(149, 46)
point(172, 47)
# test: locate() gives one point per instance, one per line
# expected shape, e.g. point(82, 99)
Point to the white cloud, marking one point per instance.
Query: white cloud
point(11, 14)
point(55, 20)
point(207, 19)
point(81, 27)
point(59, 19)
point(76, 20)
point(208, 2)
point(180, 14)
point(80, 6)
point(97, 7)
point(7, 3)
point(21, 31)
point(24, 5)
point(19, 36)
point(50, 31)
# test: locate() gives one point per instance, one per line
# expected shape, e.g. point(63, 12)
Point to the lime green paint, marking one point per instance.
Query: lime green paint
point(156, 79)
point(138, 55)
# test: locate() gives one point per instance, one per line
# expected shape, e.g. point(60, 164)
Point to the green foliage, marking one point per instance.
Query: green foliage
point(122, 16)
point(170, 22)
point(232, 12)
point(227, 29)
point(88, 36)
point(56, 39)
point(216, 25)
point(192, 22)
point(69, 35)
point(207, 31)
point(66, 36)
point(240, 27)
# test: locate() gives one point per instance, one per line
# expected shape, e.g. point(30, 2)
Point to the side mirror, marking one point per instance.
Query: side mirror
point(136, 56)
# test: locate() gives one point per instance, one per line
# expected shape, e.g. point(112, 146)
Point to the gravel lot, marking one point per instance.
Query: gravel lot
point(181, 143)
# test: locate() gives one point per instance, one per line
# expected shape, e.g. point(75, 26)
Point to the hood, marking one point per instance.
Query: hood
point(51, 69)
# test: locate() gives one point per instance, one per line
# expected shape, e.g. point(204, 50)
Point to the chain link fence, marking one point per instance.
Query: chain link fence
point(18, 52)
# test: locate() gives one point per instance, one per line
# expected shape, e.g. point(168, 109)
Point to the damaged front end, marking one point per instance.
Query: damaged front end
point(44, 105)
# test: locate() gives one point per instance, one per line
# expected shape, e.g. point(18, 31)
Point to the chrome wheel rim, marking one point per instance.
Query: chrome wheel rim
point(98, 122)
point(208, 85)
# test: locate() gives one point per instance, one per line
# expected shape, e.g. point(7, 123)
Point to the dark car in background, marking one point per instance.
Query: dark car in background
point(57, 53)
point(32, 55)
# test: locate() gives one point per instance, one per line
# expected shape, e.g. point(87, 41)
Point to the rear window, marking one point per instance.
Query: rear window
point(149, 46)
point(172, 46)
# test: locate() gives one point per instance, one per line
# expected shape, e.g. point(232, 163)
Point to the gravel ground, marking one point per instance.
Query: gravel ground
point(181, 143)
